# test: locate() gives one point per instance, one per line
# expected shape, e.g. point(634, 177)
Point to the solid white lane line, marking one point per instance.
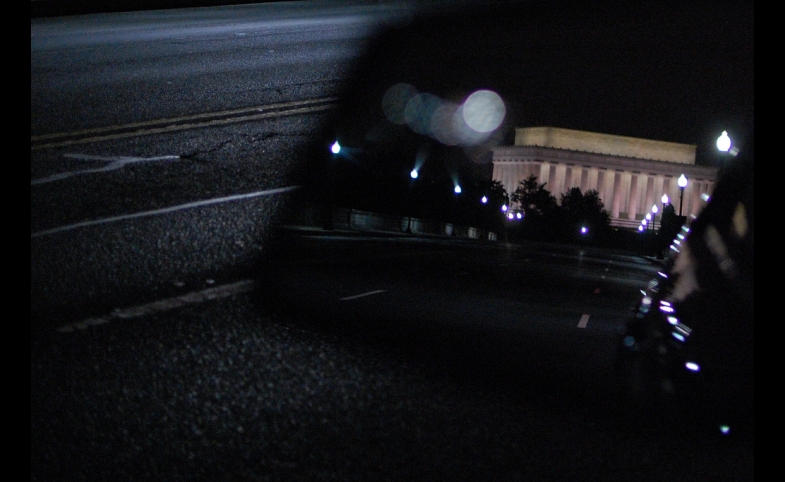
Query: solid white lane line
point(584, 321)
point(115, 163)
point(171, 209)
point(167, 304)
point(376, 292)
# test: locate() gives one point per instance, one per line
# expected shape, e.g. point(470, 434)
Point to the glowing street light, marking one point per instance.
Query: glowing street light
point(664, 199)
point(654, 210)
point(414, 174)
point(682, 184)
point(457, 189)
point(335, 148)
point(504, 208)
point(723, 142)
point(484, 200)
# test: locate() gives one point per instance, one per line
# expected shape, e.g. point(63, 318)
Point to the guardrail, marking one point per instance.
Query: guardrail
point(358, 220)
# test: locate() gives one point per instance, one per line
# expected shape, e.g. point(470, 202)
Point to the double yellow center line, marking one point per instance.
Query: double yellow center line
point(161, 126)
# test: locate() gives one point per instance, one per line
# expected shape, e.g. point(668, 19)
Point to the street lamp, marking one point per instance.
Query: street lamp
point(484, 200)
point(654, 210)
point(664, 200)
point(682, 184)
point(335, 148)
point(724, 144)
point(414, 174)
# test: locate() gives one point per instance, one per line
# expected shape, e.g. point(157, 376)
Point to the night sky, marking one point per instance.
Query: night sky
point(673, 73)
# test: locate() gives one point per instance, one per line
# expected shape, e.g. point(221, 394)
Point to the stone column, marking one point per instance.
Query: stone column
point(584, 179)
point(601, 185)
point(634, 196)
point(649, 199)
point(593, 179)
point(552, 179)
point(666, 188)
point(695, 197)
point(567, 179)
point(520, 173)
point(656, 194)
point(616, 195)
point(529, 171)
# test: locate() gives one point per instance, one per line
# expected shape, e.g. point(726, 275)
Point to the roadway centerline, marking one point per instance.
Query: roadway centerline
point(584, 321)
point(159, 126)
point(376, 292)
point(166, 304)
point(170, 209)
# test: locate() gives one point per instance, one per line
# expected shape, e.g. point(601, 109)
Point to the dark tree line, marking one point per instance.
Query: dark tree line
point(577, 215)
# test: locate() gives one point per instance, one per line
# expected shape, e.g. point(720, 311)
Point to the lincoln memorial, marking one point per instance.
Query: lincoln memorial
point(631, 174)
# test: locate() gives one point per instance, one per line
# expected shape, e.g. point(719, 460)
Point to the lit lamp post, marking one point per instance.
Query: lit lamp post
point(457, 190)
point(682, 184)
point(335, 148)
point(723, 142)
point(654, 210)
point(413, 175)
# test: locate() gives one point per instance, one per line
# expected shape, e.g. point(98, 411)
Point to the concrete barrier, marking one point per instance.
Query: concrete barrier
point(357, 220)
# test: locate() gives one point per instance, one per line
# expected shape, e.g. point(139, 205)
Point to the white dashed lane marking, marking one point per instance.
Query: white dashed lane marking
point(376, 292)
point(167, 304)
point(584, 321)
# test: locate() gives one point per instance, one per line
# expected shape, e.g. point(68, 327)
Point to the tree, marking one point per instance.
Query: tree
point(534, 199)
point(584, 209)
point(495, 193)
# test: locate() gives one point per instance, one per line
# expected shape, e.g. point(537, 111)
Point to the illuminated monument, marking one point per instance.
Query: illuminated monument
point(630, 174)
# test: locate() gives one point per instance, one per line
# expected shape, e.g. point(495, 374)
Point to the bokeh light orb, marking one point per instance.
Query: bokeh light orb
point(484, 111)
point(395, 100)
point(419, 111)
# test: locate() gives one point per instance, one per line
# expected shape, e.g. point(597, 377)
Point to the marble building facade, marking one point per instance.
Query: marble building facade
point(631, 174)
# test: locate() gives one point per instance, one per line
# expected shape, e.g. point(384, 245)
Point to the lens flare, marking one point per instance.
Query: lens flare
point(395, 100)
point(484, 111)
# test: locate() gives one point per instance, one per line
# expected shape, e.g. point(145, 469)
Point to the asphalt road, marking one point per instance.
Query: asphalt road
point(162, 143)
point(355, 358)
